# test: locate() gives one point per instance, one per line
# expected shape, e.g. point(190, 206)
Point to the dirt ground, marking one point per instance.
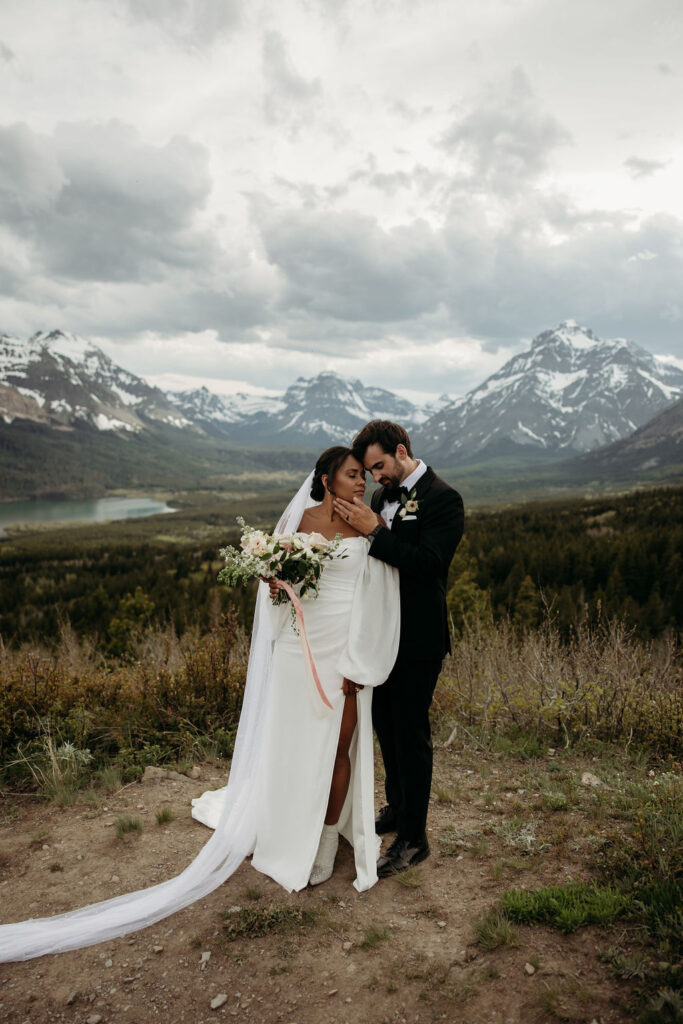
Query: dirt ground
point(406, 951)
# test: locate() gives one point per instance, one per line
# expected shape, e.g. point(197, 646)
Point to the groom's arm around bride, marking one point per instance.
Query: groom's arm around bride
point(423, 523)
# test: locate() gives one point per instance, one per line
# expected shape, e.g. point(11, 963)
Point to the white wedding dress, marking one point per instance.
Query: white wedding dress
point(286, 738)
point(352, 627)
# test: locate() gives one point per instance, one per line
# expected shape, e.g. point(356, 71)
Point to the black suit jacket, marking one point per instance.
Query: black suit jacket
point(421, 548)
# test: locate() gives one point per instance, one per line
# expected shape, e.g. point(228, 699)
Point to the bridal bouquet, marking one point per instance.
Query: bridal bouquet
point(292, 558)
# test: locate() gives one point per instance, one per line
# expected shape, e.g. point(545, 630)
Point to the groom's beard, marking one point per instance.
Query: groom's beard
point(390, 482)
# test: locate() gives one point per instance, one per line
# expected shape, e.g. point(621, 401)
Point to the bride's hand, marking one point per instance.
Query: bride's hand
point(273, 587)
point(349, 688)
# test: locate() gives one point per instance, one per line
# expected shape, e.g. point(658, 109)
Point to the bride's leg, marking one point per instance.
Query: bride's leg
point(341, 773)
point(323, 865)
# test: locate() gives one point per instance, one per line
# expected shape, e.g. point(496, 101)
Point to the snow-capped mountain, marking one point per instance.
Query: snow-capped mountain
point(62, 380)
point(324, 410)
point(570, 392)
point(217, 414)
point(655, 447)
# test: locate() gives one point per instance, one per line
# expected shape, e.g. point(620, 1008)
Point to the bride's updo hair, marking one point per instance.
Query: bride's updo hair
point(327, 465)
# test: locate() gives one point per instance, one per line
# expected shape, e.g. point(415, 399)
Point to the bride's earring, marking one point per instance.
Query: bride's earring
point(323, 866)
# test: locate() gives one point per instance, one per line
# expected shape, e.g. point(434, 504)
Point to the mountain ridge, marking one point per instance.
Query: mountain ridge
point(569, 392)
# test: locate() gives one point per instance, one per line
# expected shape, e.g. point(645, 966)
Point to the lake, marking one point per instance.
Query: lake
point(86, 510)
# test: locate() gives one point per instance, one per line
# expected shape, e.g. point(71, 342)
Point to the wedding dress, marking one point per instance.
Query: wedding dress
point(355, 635)
point(352, 628)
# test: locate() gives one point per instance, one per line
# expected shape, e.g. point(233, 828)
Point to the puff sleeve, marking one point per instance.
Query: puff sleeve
point(374, 626)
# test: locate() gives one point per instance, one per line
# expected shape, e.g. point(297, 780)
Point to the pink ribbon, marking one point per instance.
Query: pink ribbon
point(305, 646)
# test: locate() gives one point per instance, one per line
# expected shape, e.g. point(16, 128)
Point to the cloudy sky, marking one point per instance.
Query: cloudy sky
point(238, 192)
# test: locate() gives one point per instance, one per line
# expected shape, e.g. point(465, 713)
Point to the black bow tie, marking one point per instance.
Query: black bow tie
point(394, 493)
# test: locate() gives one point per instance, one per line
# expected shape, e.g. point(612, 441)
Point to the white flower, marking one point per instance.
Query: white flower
point(255, 543)
point(410, 506)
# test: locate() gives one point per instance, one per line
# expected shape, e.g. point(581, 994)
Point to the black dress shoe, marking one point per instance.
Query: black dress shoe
point(386, 821)
point(402, 854)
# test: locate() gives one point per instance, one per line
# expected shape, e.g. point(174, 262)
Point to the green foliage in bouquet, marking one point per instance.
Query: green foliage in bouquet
point(293, 558)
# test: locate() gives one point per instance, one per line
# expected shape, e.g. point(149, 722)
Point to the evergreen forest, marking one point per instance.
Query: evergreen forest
point(582, 560)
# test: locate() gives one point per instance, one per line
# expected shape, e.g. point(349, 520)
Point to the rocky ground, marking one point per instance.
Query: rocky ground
point(406, 951)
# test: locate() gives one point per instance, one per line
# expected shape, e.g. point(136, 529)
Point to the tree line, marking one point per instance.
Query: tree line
point(611, 557)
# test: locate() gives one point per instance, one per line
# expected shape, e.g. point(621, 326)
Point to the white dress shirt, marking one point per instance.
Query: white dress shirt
point(390, 508)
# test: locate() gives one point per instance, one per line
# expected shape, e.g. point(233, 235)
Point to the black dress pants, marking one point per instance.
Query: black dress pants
point(400, 715)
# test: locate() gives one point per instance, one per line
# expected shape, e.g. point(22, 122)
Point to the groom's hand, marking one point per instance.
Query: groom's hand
point(360, 516)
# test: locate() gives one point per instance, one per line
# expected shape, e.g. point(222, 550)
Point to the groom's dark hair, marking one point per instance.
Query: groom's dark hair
point(384, 433)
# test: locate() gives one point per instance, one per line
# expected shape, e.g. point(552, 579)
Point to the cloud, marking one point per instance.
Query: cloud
point(345, 266)
point(504, 142)
point(190, 22)
point(99, 204)
point(345, 279)
point(637, 167)
point(31, 176)
point(287, 93)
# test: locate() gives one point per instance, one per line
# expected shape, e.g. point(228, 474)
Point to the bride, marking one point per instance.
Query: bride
point(302, 770)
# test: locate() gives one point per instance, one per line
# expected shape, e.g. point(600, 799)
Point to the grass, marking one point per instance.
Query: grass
point(109, 779)
point(58, 769)
point(494, 929)
point(521, 835)
point(640, 882)
point(518, 695)
point(555, 801)
point(126, 824)
point(254, 922)
point(446, 794)
point(411, 878)
point(566, 907)
point(164, 815)
point(456, 842)
point(373, 937)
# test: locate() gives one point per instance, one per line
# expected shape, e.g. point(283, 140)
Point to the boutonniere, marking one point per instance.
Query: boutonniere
point(411, 505)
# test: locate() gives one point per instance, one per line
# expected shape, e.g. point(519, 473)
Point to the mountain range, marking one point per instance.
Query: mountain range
point(569, 393)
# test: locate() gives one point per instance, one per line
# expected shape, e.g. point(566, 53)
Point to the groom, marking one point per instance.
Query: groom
point(420, 527)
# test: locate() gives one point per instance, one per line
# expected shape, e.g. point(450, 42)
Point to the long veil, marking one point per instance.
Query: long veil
point(232, 840)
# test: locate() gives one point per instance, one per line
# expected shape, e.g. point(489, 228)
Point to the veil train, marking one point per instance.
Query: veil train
point(232, 840)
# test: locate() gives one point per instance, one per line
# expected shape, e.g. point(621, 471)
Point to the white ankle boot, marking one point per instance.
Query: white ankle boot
point(323, 866)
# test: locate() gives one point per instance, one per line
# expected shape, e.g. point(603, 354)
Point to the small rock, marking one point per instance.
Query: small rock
point(218, 1001)
point(45, 846)
point(441, 924)
point(333, 992)
point(94, 1018)
point(348, 999)
point(79, 856)
point(108, 963)
point(529, 968)
point(194, 772)
point(651, 773)
point(588, 779)
point(347, 946)
point(204, 958)
point(114, 878)
point(157, 949)
point(154, 774)
point(551, 751)
point(71, 998)
point(141, 807)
